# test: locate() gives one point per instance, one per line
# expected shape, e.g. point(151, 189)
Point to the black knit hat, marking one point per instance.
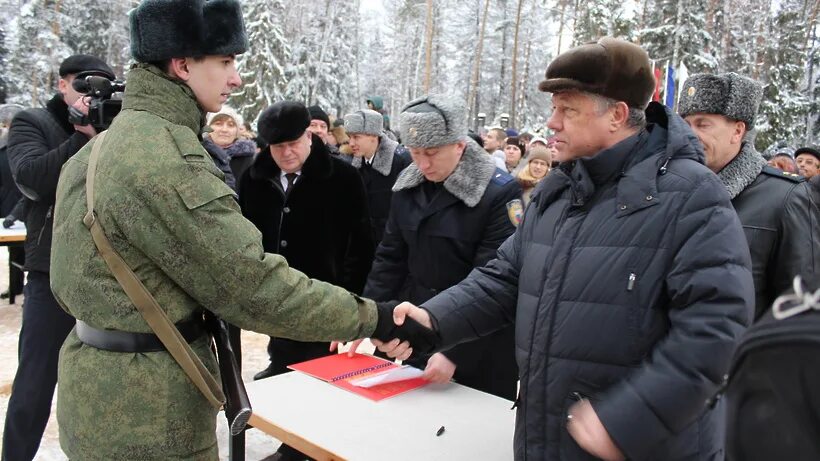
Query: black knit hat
point(85, 63)
point(316, 113)
point(283, 122)
point(610, 67)
point(164, 29)
point(517, 142)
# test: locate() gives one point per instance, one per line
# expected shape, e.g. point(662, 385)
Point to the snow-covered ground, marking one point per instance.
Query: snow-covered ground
point(254, 357)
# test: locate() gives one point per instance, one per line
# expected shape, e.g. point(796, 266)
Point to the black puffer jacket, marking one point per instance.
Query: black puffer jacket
point(776, 210)
point(40, 142)
point(630, 280)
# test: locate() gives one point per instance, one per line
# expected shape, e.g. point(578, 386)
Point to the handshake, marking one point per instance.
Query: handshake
point(402, 330)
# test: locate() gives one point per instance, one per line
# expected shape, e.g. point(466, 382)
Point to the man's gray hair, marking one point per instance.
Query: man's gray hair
point(635, 119)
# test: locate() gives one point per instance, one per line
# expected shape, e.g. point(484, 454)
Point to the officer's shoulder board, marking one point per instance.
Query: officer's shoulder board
point(778, 173)
point(501, 177)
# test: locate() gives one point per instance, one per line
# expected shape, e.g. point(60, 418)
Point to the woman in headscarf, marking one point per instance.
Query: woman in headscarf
point(225, 135)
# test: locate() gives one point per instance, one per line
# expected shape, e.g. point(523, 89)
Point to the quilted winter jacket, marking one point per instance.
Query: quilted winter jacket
point(629, 284)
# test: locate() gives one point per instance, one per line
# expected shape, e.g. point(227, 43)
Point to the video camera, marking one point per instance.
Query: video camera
point(105, 100)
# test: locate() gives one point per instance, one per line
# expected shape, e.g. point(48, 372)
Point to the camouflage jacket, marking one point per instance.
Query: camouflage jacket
point(166, 210)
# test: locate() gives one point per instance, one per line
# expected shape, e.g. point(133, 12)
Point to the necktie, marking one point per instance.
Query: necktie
point(291, 178)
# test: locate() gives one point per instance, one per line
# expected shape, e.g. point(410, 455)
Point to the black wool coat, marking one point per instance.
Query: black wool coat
point(630, 282)
point(321, 226)
point(40, 142)
point(379, 177)
point(9, 194)
point(429, 247)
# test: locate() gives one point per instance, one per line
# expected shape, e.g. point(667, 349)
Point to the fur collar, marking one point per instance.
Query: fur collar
point(382, 159)
point(467, 183)
point(742, 170)
point(58, 109)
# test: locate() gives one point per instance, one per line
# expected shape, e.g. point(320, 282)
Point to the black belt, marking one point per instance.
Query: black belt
point(125, 341)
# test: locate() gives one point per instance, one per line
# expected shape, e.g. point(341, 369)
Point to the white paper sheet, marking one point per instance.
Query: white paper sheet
point(390, 376)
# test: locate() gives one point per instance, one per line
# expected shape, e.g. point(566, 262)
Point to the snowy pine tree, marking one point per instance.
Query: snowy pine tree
point(675, 32)
point(262, 66)
point(784, 106)
point(36, 53)
point(98, 28)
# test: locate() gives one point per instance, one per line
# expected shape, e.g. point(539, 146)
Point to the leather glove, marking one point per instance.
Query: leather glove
point(9, 221)
point(422, 339)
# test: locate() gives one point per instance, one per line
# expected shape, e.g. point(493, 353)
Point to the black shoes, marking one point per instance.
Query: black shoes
point(266, 373)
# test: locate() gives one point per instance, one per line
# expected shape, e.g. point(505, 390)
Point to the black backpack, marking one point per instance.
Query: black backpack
point(773, 388)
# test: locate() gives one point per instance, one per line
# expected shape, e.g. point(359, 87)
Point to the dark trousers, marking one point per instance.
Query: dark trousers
point(45, 327)
point(17, 259)
point(284, 352)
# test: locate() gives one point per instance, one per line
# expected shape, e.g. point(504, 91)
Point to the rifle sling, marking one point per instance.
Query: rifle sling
point(145, 303)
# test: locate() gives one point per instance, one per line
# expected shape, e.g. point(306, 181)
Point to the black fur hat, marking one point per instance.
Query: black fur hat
point(283, 122)
point(164, 29)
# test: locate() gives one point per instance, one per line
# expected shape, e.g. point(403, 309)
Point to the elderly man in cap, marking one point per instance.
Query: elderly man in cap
point(808, 161)
point(451, 210)
point(774, 206)
point(150, 196)
point(379, 160)
point(40, 141)
point(628, 279)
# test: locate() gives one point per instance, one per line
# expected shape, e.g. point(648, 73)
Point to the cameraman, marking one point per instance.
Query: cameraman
point(40, 141)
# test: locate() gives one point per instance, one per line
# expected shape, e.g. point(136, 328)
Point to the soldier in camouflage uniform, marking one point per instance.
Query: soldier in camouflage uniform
point(165, 209)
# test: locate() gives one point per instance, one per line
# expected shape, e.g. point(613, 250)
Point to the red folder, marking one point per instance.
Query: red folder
point(339, 370)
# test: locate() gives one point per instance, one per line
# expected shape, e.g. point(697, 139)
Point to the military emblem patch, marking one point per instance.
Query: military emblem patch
point(691, 91)
point(413, 131)
point(515, 211)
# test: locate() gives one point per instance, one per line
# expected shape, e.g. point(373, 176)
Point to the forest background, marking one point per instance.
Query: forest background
point(490, 53)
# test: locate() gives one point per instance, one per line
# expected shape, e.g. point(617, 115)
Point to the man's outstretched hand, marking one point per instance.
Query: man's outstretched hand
point(403, 330)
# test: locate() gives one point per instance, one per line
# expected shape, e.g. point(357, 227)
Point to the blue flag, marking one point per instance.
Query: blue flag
point(669, 98)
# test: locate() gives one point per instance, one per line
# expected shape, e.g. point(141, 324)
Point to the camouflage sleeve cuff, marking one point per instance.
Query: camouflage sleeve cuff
point(368, 317)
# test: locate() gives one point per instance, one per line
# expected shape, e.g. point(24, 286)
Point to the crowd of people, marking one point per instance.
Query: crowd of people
point(598, 272)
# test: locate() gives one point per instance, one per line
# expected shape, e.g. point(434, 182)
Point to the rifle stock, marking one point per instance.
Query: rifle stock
point(237, 403)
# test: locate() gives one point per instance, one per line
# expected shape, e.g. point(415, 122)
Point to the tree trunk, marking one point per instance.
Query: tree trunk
point(575, 22)
point(502, 80)
point(428, 66)
point(472, 100)
point(526, 78)
point(514, 78)
point(561, 25)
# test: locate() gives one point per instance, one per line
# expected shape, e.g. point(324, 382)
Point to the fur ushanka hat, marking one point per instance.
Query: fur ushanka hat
point(729, 94)
point(164, 29)
point(364, 122)
point(432, 121)
point(610, 67)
